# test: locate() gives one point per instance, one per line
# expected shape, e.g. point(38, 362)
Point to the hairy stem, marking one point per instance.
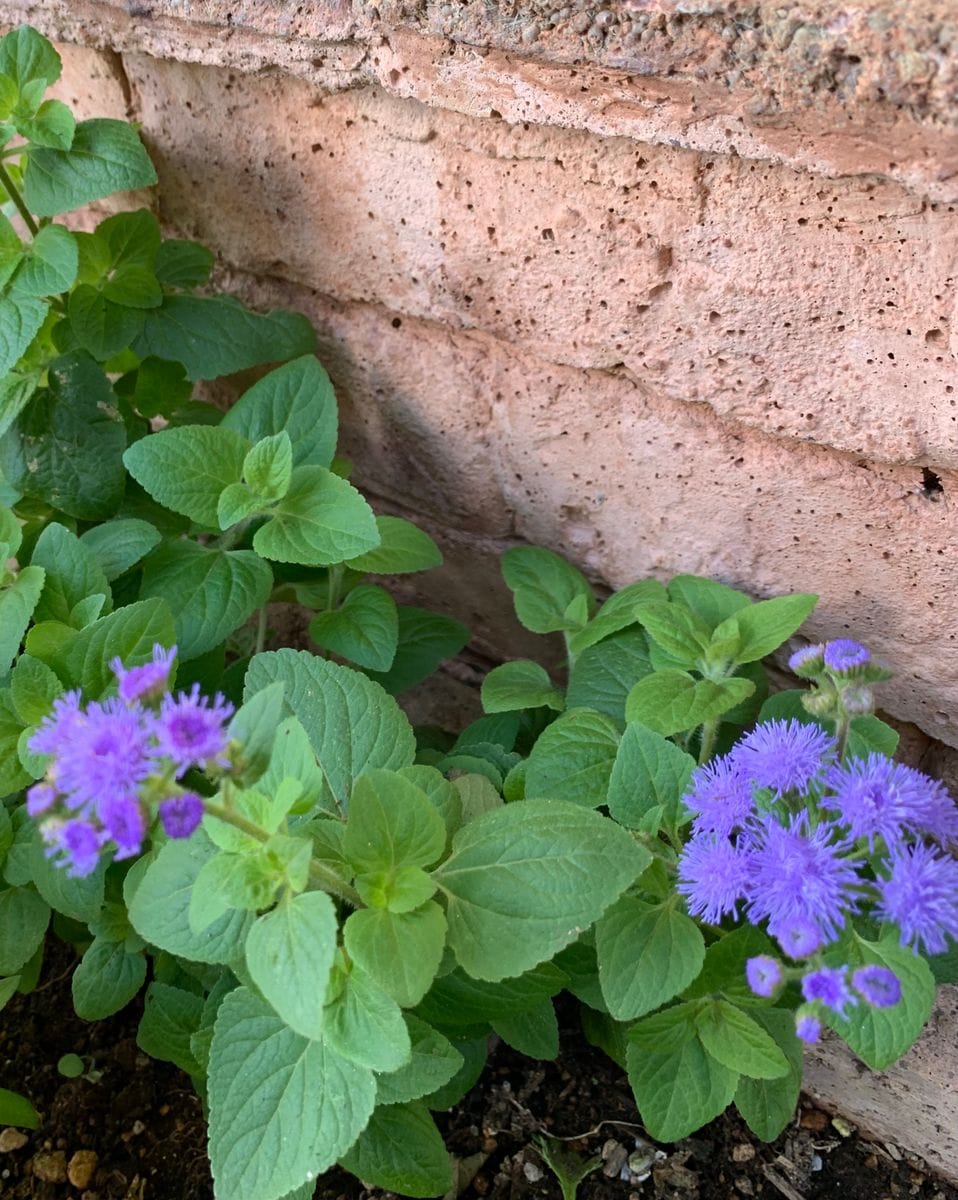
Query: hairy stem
point(320, 876)
point(260, 630)
point(709, 732)
point(14, 193)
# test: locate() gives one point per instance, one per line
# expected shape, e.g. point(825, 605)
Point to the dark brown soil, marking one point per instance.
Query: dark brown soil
point(142, 1121)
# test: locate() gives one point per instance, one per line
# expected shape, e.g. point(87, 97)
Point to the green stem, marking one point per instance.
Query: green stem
point(842, 729)
point(232, 535)
point(322, 877)
point(13, 192)
point(709, 733)
point(260, 630)
point(334, 579)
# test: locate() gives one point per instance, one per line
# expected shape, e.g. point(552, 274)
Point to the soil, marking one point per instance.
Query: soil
point(132, 1128)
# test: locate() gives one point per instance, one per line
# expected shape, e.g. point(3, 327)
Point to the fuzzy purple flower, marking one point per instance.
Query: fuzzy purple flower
point(57, 728)
point(720, 796)
point(180, 815)
point(76, 842)
point(920, 896)
point(877, 798)
point(845, 655)
point(879, 986)
point(713, 875)
point(40, 799)
point(799, 937)
point(190, 730)
point(784, 755)
point(829, 986)
point(148, 681)
point(106, 754)
point(764, 975)
point(800, 874)
point(807, 1028)
point(808, 661)
point(124, 823)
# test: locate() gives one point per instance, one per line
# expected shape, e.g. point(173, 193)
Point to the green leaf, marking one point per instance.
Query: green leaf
point(573, 759)
point(182, 264)
point(292, 757)
point(365, 1025)
point(425, 640)
point(120, 544)
point(724, 969)
point(433, 1064)
point(353, 725)
point(268, 467)
point(67, 447)
point(732, 1038)
point(17, 1110)
point(391, 824)
point(129, 634)
point(106, 980)
point(52, 125)
point(33, 688)
point(282, 1108)
point(402, 1150)
point(170, 1018)
point(364, 629)
point(20, 321)
point(880, 1036)
point(647, 955)
point(649, 770)
point(255, 727)
point(72, 574)
point(676, 630)
point(403, 548)
point(49, 264)
point(78, 897)
point(212, 592)
point(186, 468)
point(321, 520)
point(524, 880)
point(159, 388)
point(543, 586)
point(133, 287)
point(26, 55)
point(297, 399)
point(617, 613)
point(680, 1090)
point(289, 953)
point(518, 685)
point(711, 601)
point(603, 675)
point(105, 157)
point(763, 627)
point(159, 910)
point(16, 391)
point(869, 734)
point(672, 701)
point(215, 335)
point(768, 1105)
point(17, 603)
point(100, 326)
point(534, 1032)
point(400, 951)
point(23, 922)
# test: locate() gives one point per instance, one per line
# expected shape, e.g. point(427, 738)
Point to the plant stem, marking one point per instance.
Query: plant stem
point(323, 878)
point(260, 630)
point(842, 729)
point(334, 578)
point(13, 192)
point(229, 539)
point(709, 732)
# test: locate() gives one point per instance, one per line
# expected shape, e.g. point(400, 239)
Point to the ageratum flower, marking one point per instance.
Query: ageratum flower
point(76, 843)
point(180, 815)
point(798, 937)
point(713, 875)
point(784, 755)
point(720, 796)
point(145, 682)
point(844, 655)
point(800, 874)
point(879, 986)
point(875, 797)
point(190, 730)
point(829, 986)
point(764, 975)
point(920, 896)
point(106, 753)
point(808, 661)
point(56, 728)
point(807, 1028)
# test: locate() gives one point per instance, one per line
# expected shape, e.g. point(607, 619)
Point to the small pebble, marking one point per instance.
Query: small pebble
point(532, 1172)
point(81, 1168)
point(50, 1167)
point(815, 1120)
point(12, 1139)
point(743, 1152)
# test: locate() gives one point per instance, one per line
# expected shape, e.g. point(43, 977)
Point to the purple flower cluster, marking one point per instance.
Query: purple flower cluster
point(784, 833)
point(112, 759)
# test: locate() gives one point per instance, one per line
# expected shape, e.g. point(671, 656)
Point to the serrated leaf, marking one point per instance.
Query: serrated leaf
point(105, 156)
point(647, 954)
point(352, 724)
point(33, 688)
point(402, 1150)
point(573, 758)
point(212, 592)
point(282, 1108)
point(171, 1016)
point(675, 629)
point(391, 824)
point(129, 634)
point(52, 125)
point(732, 1038)
point(768, 1105)
point(17, 604)
point(16, 391)
point(20, 321)
point(457, 1000)
point(120, 544)
point(215, 335)
point(72, 574)
point(100, 326)
point(186, 468)
point(289, 953)
point(403, 548)
point(525, 880)
point(543, 586)
point(603, 675)
point(616, 614)
point(649, 770)
point(400, 951)
point(708, 599)
point(434, 1061)
point(763, 627)
point(365, 1025)
point(679, 1091)
point(425, 640)
point(517, 685)
point(673, 701)
point(26, 56)
point(49, 264)
point(23, 922)
point(183, 264)
point(297, 399)
point(106, 979)
point(268, 467)
point(364, 629)
point(321, 520)
point(534, 1032)
point(723, 972)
